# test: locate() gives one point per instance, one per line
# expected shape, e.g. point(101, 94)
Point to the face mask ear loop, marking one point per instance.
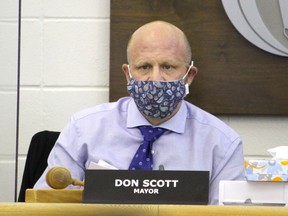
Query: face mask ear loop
point(130, 76)
point(191, 65)
point(187, 85)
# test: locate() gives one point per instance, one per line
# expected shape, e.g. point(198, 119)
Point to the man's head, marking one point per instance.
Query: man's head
point(159, 51)
point(157, 31)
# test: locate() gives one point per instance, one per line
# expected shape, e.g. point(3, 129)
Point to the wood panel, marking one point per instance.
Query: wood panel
point(235, 77)
point(63, 209)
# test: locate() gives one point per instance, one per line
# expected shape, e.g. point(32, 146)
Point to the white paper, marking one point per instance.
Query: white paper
point(101, 165)
point(280, 152)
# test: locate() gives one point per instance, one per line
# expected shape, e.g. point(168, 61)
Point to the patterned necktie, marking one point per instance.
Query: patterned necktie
point(143, 159)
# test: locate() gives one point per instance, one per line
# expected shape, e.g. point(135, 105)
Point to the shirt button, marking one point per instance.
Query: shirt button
point(152, 152)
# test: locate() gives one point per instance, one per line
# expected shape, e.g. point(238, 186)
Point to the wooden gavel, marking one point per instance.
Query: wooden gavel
point(60, 178)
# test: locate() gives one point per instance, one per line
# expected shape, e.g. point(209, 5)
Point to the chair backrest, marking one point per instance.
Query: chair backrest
point(36, 161)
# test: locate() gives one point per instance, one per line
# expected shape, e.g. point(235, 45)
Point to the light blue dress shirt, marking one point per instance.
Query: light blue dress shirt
point(196, 140)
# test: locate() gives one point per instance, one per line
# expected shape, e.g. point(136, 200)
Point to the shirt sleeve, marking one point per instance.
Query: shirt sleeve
point(231, 167)
point(68, 152)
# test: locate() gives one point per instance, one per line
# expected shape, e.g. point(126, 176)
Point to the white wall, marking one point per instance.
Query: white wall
point(8, 95)
point(65, 68)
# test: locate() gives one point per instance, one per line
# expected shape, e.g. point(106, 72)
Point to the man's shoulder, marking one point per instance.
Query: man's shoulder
point(103, 109)
point(205, 118)
point(195, 112)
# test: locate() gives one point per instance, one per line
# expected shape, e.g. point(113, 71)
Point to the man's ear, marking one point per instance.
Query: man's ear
point(191, 74)
point(126, 72)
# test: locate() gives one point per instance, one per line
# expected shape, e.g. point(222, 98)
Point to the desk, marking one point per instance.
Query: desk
point(79, 209)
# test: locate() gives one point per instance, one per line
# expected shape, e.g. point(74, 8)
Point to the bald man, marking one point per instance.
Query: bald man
point(158, 71)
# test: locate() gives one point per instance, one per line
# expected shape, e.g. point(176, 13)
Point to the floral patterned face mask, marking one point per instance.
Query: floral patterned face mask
point(158, 99)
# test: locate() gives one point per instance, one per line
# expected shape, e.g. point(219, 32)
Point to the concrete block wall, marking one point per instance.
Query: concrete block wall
point(65, 68)
point(64, 62)
point(8, 95)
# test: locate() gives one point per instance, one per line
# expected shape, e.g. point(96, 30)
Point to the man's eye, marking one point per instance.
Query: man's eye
point(144, 67)
point(167, 67)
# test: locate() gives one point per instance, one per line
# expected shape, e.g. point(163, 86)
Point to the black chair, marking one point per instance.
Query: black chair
point(36, 161)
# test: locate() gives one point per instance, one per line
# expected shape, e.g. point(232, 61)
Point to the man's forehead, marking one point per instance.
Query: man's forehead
point(156, 32)
point(156, 42)
point(158, 61)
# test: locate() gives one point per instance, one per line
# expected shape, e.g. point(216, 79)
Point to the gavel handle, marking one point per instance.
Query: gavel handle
point(77, 182)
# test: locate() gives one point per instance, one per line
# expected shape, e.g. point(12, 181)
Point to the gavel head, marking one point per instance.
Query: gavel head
point(58, 178)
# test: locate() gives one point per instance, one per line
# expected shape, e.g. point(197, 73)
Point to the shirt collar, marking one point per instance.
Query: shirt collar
point(176, 123)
